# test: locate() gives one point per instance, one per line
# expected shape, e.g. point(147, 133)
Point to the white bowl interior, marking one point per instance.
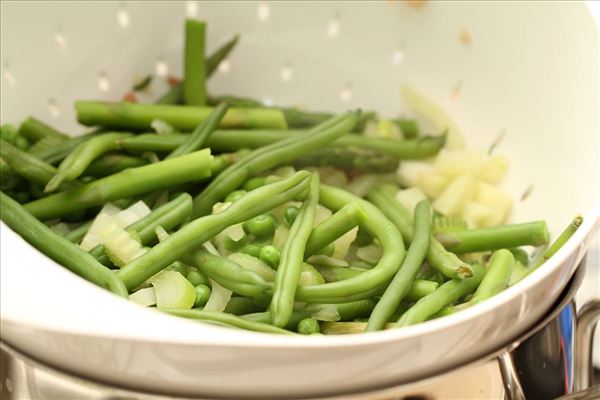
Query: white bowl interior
point(493, 66)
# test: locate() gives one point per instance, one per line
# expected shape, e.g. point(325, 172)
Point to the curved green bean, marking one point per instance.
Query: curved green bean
point(367, 283)
point(34, 130)
point(202, 229)
point(438, 257)
point(58, 248)
point(292, 257)
point(400, 285)
point(83, 155)
point(270, 156)
point(226, 319)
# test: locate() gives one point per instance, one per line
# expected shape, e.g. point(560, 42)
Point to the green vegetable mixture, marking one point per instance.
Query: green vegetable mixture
point(270, 219)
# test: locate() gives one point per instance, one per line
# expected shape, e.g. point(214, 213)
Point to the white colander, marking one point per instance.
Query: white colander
point(528, 70)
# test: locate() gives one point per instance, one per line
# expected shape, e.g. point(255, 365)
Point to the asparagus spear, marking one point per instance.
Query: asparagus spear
point(184, 118)
point(128, 183)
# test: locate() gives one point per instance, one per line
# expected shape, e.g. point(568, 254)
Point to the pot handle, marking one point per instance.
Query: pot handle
point(587, 319)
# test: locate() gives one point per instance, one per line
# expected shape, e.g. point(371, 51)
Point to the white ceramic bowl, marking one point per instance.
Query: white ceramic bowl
point(528, 69)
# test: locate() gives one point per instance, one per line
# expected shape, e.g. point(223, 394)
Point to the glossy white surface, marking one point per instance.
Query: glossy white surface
point(538, 81)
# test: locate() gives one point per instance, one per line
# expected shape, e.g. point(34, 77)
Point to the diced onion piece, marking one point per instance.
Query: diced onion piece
point(161, 127)
point(387, 129)
point(145, 297)
point(495, 198)
point(326, 312)
point(410, 197)
point(173, 290)
point(434, 113)
point(91, 238)
point(410, 173)
point(253, 264)
point(452, 200)
point(132, 214)
point(229, 237)
point(280, 236)
point(310, 276)
point(218, 207)
point(322, 214)
point(326, 261)
point(120, 245)
point(333, 176)
point(161, 233)
point(211, 248)
point(362, 183)
point(493, 169)
point(61, 228)
point(343, 243)
point(371, 128)
point(370, 254)
point(453, 163)
point(219, 297)
point(477, 215)
point(433, 184)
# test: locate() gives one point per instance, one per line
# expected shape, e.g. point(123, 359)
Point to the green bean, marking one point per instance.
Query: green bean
point(112, 163)
point(175, 94)
point(400, 285)
point(334, 227)
point(367, 284)
point(202, 229)
point(446, 294)
point(496, 278)
point(227, 273)
point(202, 295)
point(194, 83)
point(197, 139)
point(77, 234)
point(520, 255)
point(268, 157)
point(226, 319)
point(34, 130)
point(241, 306)
point(496, 237)
point(183, 118)
point(28, 166)
point(58, 248)
point(439, 258)
point(292, 257)
point(128, 183)
point(308, 326)
point(558, 243)
point(81, 157)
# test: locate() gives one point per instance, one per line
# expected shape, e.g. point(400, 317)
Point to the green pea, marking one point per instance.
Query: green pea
point(235, 195)
point(255, 183)
point(308, 326)
point(270, 255)
point(251, 249)
point(327, 250)
point(261, 225)
point(289, 215)
point(202, 294)
point(197, 278)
